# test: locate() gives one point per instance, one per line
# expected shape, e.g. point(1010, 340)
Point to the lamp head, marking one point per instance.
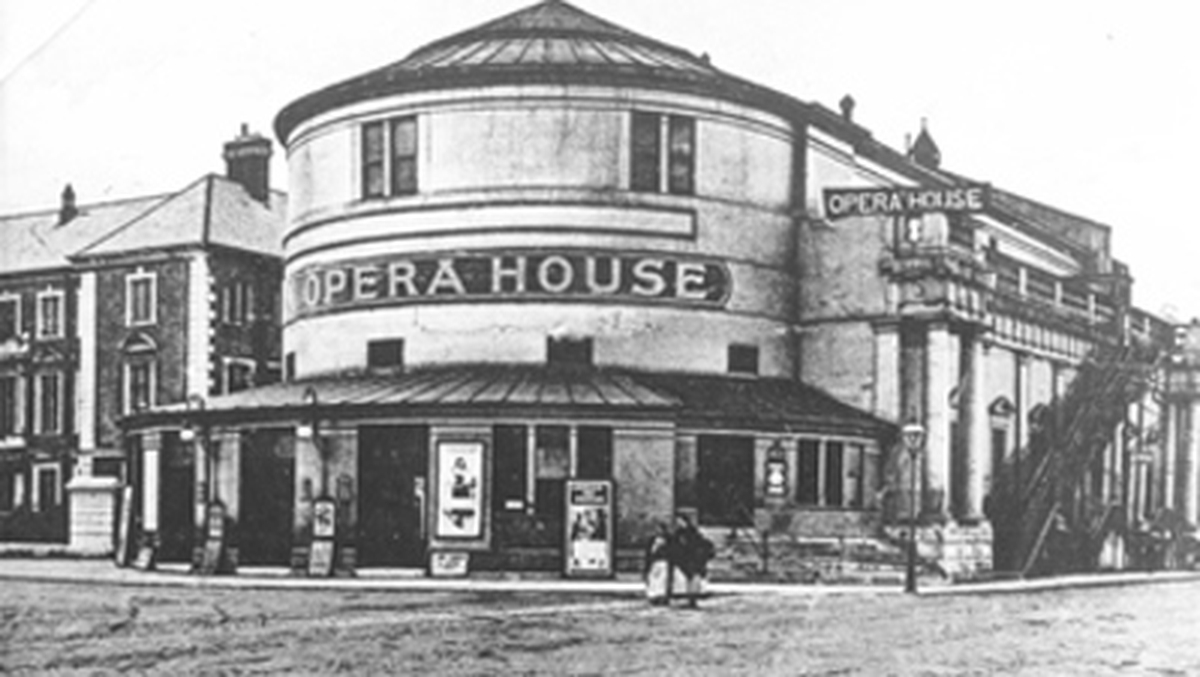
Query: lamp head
point(913, 435)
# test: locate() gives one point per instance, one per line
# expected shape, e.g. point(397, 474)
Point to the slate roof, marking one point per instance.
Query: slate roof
point(212, 210)
point(552, 42)
point(705, 401)
point(36, 241)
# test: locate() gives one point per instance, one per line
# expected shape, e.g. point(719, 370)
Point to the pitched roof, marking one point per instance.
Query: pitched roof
point(552, 42)
point(36, 241)
point(211, 210)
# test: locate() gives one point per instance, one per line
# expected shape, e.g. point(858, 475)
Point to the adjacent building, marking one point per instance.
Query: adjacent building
point(111, 308)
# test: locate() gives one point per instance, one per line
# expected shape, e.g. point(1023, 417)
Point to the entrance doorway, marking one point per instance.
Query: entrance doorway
point(268, 496)
point(176, 499)
point(393, 466)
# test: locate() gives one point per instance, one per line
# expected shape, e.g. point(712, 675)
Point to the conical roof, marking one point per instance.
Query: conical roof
point(552, 42)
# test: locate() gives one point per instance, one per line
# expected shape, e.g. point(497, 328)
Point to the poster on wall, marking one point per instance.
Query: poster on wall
point(460, 490)
point(589, 525)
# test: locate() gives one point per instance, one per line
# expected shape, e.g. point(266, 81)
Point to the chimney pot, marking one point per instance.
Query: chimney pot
point(67, 210)
point(847, 105)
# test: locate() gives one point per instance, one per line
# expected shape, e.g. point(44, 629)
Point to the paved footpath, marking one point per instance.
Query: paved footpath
point(104, 571)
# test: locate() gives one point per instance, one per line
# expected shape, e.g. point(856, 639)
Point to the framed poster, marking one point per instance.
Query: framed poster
point(589, 524)
point(460, 490)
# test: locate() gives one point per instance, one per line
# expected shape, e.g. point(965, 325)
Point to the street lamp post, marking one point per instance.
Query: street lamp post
point(913, 435)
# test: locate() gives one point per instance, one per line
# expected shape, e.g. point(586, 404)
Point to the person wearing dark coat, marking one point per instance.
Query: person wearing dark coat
point(690, 552)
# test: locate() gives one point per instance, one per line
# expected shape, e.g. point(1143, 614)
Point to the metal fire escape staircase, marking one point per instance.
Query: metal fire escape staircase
point(1053, 524)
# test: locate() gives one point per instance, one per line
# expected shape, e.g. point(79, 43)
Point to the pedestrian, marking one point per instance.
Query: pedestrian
point(657, 570)
point(690, 552)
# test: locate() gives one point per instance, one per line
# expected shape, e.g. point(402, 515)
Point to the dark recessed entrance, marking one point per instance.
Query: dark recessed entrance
point(393, 463)
point(268, 496)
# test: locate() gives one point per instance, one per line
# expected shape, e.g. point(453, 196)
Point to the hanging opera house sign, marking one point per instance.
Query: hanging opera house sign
point(896, 201)
point(509, 276)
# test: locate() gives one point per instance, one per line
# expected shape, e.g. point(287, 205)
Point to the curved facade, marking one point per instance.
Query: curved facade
point(554, 201)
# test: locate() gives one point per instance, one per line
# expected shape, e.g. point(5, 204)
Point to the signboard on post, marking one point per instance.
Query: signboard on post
point(968, 198)
point(321, 552)
point(460, 490)
point(589, 524)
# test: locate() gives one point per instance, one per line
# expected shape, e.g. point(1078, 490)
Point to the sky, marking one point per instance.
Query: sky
point(1091, 107)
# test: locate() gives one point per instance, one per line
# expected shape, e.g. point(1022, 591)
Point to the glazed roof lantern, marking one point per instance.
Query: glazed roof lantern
point(924, 151)
point(552, 42)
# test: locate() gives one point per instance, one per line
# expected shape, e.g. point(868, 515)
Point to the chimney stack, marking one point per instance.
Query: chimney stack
point(248, 162)
point(68, 210)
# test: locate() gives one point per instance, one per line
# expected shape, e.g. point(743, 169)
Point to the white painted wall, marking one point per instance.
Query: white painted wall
point(542, 168)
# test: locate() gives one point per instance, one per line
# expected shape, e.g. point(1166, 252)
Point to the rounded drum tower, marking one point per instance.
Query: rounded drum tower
point(546, 179)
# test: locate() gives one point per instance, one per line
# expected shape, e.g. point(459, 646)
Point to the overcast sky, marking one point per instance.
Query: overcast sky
point(1092, 107)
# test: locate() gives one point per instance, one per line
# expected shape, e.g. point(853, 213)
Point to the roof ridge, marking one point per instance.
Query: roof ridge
point(46, 211)
point(140, 217)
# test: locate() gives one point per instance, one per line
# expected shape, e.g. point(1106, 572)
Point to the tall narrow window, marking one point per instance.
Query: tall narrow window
point(593, 459)
point(808, 486)
point(50, 314)
point(646, 153)
point(47, 487)
point(139, 386)
point(373, 155)
point(139, 299)
point(10, 317)
point(834, 465)
point(404, 156)
point(681, 155)
point(7, 489)
point(49, 403)
point(8, 406)
point(553, 466)
point(509, 467)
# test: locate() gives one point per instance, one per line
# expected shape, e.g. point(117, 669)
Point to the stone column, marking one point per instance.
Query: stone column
point(887, 372)
point(1192, 486)
point(1170, 454)
point(939, 379)
point(148, 537)
point(978, 433)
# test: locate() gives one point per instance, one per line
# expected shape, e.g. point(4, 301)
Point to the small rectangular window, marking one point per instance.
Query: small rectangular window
point(646, 153)
point(682, 155)
point(10, 317)
point(239, 375)
point(289, 367)
point(373, 156)
point(8, 406)
point(139, 299)
point(404, 156)
point(569, 351)
point(509, 467)
point(743, 359)
point(108, 466)
point(385, 354)
point(50, 314)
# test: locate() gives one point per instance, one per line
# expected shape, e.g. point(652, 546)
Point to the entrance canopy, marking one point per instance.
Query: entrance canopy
point(705, 401)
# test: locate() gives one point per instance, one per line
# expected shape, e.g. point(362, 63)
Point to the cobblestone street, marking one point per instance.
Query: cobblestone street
point(76, 629)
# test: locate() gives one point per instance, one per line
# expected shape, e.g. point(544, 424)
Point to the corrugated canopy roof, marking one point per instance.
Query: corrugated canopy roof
point(704, 401)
